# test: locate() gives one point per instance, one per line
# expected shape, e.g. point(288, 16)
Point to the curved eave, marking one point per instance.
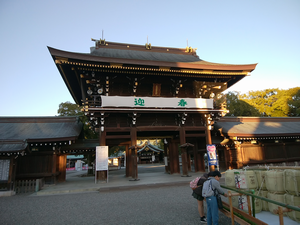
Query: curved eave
point(201, 65)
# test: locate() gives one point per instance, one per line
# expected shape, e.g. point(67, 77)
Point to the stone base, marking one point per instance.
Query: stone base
point(7, 193)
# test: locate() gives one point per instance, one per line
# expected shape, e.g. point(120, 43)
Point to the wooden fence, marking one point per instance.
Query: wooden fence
point(27, 186)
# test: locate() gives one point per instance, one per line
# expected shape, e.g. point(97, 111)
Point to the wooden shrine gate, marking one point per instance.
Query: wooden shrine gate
point(135, 91)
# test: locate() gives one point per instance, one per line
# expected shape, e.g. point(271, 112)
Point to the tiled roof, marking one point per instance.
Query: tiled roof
point(143, 55)
point(259, 127)
point(13, 146)
point(39, 128)
point(149, 147)
point(138, 55)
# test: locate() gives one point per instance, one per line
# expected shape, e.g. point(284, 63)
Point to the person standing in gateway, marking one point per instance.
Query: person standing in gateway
point(209, 186)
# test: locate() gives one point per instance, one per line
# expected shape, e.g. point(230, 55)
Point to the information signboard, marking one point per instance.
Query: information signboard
point(212, 155)
point(101, 158)
point(4, 169)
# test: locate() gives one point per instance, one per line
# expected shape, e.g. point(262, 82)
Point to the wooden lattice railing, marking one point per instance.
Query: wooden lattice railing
point(27, 186)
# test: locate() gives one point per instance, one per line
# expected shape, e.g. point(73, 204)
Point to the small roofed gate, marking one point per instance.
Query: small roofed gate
point(150, 154)
point(131, 92)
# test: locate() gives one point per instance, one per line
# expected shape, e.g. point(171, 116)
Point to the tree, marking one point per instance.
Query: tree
point(69, 109)
point(239, 107)
point(294, 101)
point(263, 100)
point(274, 102)
point(269, 102)
point(116, 151)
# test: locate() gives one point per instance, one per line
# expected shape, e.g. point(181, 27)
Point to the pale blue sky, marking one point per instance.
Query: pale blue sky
point(266, 32)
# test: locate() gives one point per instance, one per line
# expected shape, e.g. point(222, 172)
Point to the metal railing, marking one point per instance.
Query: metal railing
point(250, 193)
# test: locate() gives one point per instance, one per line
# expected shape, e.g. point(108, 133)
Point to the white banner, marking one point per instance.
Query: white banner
point(156, 102)
point(101, 158)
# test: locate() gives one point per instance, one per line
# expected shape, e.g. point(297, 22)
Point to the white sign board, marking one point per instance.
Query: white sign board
point(101, 158)
point(156, 102)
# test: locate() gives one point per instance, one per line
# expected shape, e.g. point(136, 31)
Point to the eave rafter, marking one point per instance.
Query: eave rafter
point(162, 71)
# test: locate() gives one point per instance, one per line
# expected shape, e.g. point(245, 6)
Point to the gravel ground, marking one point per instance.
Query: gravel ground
point(156, 205)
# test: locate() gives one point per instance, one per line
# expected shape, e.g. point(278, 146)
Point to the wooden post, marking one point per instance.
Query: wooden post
point(53, 171)
point(209, 142)
point(90, 167)
point(230, 204)
point(171, 156)
point(11, 173)
point(280, 212)
point(134, 164)
point(184, 148)
point(189, 162)
point(196, 161)
point(280, 215)
point(183, 152)
point(62, 162)
point(230, 207)
point(166, 158)
point(128, 161)
point(174, 157)
point(249, 205)
point(133, 134)
point(184, 162)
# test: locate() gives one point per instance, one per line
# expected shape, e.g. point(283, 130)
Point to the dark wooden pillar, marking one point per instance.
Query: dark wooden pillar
point(54, 164)
point(174, 157)
point(189, 162)
point(11, 173)
point(199, 161)
point(133, 134)
point(90, 166)
point(102, 175)
point(171, 161)
point(208, 141)
point(196, 161)
point(183, 152)
point(227, 158)
point(166, 156)
point(62, 162)
point(128, 161)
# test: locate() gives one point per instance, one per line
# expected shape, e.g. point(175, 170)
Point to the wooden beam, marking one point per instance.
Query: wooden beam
point(195, 135)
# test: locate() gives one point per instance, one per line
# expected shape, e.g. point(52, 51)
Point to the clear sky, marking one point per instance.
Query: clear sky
point(266, 32)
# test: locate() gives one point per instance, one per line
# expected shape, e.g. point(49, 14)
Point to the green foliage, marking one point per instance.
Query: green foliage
point(294, 101)
point(160, 144)
point(89, 133)
point(239, 107)
point(116, 151)
point(70, 109)
point(269, 103)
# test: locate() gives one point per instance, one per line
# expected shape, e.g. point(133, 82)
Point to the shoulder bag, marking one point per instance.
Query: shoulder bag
point(219, 199)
